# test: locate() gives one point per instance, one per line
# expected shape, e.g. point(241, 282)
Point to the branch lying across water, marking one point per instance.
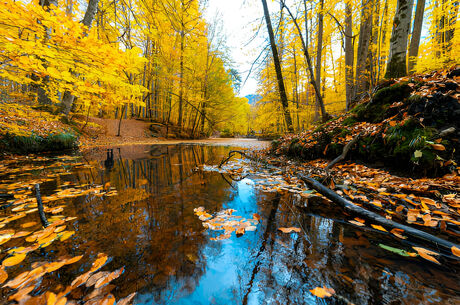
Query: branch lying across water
point(371, 216)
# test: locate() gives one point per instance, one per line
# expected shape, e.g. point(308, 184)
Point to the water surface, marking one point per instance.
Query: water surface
point(150, 229)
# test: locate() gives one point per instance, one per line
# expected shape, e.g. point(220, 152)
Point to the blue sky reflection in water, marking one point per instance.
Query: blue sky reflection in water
point(151, 230)
point(221, 282)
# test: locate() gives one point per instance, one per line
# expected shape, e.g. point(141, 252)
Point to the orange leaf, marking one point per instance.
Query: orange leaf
point(289, 230)
point(377, 227)
point(455, 251)
point(322, 292)
point(427, 254)
point(99, 262)
point(256, 216)
point(439, 147)
point(3, 275)
point(392, 123)
point(126, 300)
point(14, 260)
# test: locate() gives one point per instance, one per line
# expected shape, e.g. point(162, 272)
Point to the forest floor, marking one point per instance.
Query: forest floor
point(103, 133)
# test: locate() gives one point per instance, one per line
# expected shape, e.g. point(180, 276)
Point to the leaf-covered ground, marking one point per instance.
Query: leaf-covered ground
point(410, 124)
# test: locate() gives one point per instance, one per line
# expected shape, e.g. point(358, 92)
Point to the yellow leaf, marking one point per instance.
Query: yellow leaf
point(377, 227)
point(14, 260)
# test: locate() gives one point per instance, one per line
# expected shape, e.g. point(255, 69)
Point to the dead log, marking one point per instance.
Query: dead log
point(388, 224)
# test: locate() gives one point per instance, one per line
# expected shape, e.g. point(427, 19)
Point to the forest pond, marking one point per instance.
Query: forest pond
point(146, 223)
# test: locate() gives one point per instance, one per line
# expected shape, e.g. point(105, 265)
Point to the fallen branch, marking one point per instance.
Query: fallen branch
point(346, 148)
point(41, 211)
point(371, 216)
point(231, 154)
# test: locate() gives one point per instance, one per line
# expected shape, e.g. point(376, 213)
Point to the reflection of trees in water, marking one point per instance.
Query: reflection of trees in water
point(347, 260)
point(150, 226)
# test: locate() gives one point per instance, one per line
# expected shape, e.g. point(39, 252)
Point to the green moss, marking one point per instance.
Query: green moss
point(349, 121)
point(375, 110)
point(35, 143)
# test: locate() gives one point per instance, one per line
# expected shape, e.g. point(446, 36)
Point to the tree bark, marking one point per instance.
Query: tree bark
point(349, 55)
point(67, 98)
point(319, 50)
point(416, 33)
point(279, 74)
point(363, 48)
point(325, 116)
point(396, 66)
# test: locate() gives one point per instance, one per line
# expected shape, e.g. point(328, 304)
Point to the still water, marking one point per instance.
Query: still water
point(150, 229)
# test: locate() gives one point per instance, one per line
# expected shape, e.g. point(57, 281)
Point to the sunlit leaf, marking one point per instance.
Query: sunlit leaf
point(394, 250)
point(99, 262)
point(14, 260)
point(378, 227)
point(322, 292)
point(289, 230)
point(427, 254)
point(455, 251)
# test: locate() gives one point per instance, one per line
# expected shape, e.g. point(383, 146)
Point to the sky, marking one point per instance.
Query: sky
point(239, 19)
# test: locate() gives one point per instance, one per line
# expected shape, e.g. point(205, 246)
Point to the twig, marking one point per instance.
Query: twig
point(346, 148)
point(231, 154)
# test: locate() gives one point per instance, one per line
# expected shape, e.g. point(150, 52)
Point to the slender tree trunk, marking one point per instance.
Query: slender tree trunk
point(279, 74)
point(396, 66)
point(324, 114)
point(319, 50)
point(67, 98)
point(416, 33)
point(363, 48)
point(349, 55)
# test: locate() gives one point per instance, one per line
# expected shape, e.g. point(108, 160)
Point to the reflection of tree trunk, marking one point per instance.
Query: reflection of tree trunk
point(265, 238)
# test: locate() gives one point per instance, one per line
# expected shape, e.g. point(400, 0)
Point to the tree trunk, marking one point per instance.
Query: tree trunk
point(319, 50)
point(416, 33)
point(361, 77)
point(279, 74)
point(396, 66)
point(68, 98)
point(325, 116)
point(349, 55)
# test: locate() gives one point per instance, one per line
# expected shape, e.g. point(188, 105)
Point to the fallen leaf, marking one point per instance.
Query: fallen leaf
point(289, 230)
point(380, 228)
point(455, 251)
point(126, 300)
point(322, 292)
point(3, 275)
point(427, 254)
point(14, 260)
point(99, 262)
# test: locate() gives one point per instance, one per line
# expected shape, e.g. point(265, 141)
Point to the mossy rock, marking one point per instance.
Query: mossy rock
point(376, 110)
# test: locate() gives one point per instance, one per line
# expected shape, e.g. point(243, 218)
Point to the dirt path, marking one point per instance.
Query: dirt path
point(137, 132)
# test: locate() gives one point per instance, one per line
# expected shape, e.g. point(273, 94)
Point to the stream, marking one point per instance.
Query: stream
point(149, 227)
